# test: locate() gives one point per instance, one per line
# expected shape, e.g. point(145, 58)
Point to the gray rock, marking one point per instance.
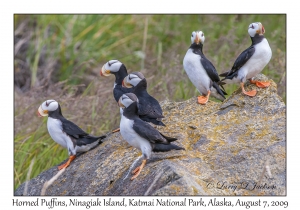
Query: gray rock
point(228, 146)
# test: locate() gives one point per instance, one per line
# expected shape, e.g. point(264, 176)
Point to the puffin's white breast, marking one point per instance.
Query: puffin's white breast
point(121, 111)
point(258, 60)
point(195, 71)
point(135, 140)
point(55, 130)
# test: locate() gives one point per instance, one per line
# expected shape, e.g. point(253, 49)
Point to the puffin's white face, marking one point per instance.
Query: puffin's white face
point(46, 106)
point(197, 37)
point(110, 66)
point(127, 99)
point(256, 28)
point(132, 80)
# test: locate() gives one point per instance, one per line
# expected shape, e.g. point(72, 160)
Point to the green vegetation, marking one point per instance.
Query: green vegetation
point(59, 57)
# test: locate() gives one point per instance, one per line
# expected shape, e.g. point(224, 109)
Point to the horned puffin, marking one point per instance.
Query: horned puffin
point(149, 109)
point(65, 132)
point(201, 71)
point(119, 70)
point(251, 61)
point(141, 134)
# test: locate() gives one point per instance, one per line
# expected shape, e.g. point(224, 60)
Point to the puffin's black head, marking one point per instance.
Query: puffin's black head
point(46, 107)
point(112, 67)
point(197, 37)
point(132, 79)
point(127, 99)
point(256, 28)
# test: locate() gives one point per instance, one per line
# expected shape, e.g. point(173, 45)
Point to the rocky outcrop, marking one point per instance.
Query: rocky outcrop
point(237, 147)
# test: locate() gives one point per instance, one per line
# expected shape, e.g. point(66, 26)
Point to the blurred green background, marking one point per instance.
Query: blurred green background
point(59, 57)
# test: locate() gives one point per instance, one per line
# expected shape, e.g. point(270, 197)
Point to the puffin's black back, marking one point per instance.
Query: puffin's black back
point(159, 142)
point(148, 107)
point(209, 68)
point(242, 58)
point(70, 128)
point(118, 89)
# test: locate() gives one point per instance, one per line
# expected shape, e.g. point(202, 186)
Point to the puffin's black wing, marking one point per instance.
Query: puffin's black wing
point(149, 107)
point(242, 59)
point(72, 129)
point(154, 121)
point(210, 69)
point(169, 139)
point(213, 74)
point(89, 139)
point(146, 131)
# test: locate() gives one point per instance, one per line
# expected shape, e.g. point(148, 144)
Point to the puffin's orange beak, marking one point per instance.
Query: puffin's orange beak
point(125, 83)
point(197, 39)
point(120, 103)
point(262, 29)
point(38, 113)
point(41, 112)
point(104, 72)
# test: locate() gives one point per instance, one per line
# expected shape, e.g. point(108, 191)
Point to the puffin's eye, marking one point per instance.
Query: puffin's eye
point(202, 34)
point(192, 35)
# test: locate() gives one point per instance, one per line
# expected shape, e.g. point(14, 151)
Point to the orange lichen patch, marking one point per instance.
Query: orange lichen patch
point(235, 149)
point(64, 192)
point(175, 190)
point(81, 166)
point(282, 155)
point(195, 191)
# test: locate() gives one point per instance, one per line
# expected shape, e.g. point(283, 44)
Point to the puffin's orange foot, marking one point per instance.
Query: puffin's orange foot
point(250, 93)
point(260, 84)
point(202, 99)
point(138, 170)
point(65, 165)
point(116, 130)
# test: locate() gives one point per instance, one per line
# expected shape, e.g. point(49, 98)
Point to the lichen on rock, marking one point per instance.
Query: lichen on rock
point(227, 145)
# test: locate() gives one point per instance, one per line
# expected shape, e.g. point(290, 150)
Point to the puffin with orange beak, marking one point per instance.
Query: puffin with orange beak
point(141, 134)
point(65, 132)
point(251, 61)
point(201, 71)
point(118, 69)
point(149, 109)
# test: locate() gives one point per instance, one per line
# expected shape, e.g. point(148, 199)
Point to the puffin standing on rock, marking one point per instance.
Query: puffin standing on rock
point(141, 134)
point(65, 132)
point(201, 71)
point(251, 61)
point(149, 109)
